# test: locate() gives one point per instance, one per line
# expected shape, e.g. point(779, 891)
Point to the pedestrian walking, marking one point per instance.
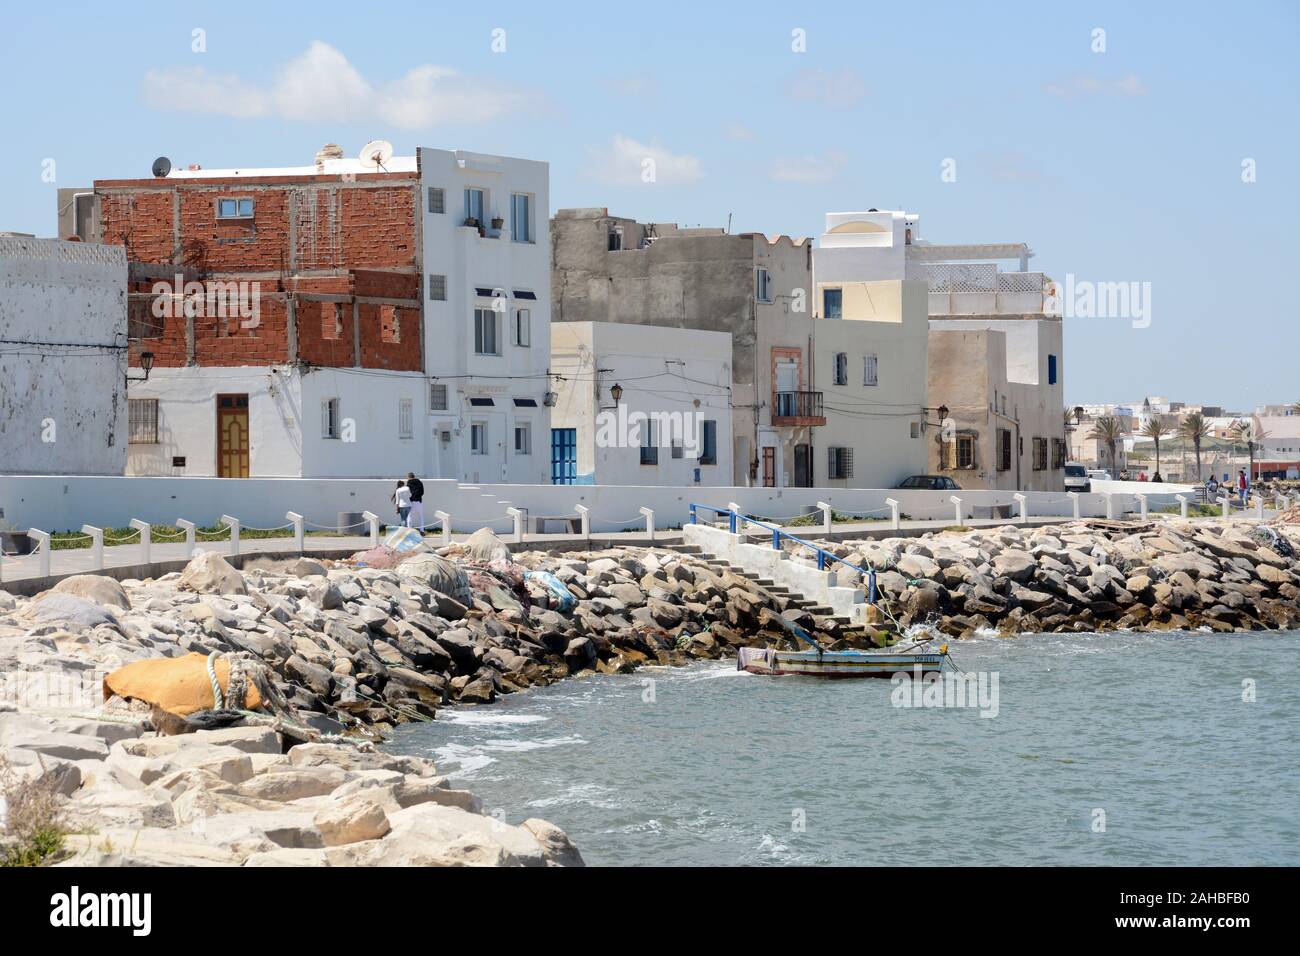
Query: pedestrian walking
point(415, 487)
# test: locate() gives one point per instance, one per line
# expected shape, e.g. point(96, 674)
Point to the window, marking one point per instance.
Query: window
point(1004, 449)
point(525, 403)
point(405, 418)
point(709, 453)
point(869, 370)
point(329, 418)
point(616, 239)
point(763, 286)
point(437, 397)
point(143, 415)
point(141, 323)
point(437, 200)
point(521, 217)
point(331, 320)
point(481, 401)
point(841, 368)
point(523, 438)
point(963, 452)
point(839, 462)
point(234, 209)
point(678, 448)
point(1058, 453)
point(525, 294)
point(519, 328)
point(485, 332)
point(474, 206)
point(649, 445)
point(914, 429)
point(478, 438)
point(438, 288)
point(1040, 454)
point(390, 324)
point(1051, 370)
point(832, 303)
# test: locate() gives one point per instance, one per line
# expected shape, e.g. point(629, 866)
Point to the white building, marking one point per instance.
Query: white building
point(641, 405)
point(63, 344)
point(403, 317)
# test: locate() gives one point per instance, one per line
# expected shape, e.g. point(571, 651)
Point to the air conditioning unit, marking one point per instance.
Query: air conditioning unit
point(444, 437)
point(550, 399)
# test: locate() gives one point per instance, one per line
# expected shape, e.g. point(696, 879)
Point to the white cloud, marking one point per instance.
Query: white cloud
point(1088, 84)
point(807, 169)
point(739, 133)
point(838, 90)
point(625, 162)
point(320, 85)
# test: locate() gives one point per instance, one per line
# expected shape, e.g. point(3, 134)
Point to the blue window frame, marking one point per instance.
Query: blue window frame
point(832, 303)
point(1051, 370)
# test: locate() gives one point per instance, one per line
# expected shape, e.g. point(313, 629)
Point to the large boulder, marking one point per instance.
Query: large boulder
point(484, 547)
point(94, 587)
point(210, 573)
point(438, 573)
point(67, 610)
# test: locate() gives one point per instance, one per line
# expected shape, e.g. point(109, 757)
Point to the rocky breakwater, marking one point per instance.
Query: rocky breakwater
point(1162, 574)
point(341, 653)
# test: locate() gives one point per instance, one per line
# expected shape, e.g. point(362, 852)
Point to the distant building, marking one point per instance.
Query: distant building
point(641, 405)
point(63, 358)
point(343, 319)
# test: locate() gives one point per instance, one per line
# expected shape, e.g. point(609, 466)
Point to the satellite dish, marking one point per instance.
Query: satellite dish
point(162, 166)
point(376, 153)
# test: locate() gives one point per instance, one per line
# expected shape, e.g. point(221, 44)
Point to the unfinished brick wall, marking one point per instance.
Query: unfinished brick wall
point(308, 236)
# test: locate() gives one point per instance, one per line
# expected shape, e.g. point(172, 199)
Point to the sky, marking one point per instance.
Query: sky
point(1161, 150)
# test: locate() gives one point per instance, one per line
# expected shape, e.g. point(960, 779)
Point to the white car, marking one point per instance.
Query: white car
point(1076, 478)
point(1099, 474)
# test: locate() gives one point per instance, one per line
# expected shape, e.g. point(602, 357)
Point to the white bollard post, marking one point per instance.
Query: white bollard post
point(1074, 499)
point(1182, 504)
point(188, 528)
point(741, 524)
point(1110, 504)
point(584, 513)
point(893, 512)
point(146, 538)
point(445, 518)
point(1259, 507)
point(826, 517)
point(649, 522)
point(234, 533)
point(43, 543)
point(518, 515)
point(96, 545)
point(373, 520)
point(1142, 505)
point(1023, 500)
point(299, 534)
point(956, 504)
point(1227, 504)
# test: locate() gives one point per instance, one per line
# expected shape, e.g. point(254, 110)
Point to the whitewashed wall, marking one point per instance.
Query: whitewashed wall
point(62, 408)
point(61, 503)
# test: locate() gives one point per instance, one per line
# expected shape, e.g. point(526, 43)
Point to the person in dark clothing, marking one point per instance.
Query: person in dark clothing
point(415, 518)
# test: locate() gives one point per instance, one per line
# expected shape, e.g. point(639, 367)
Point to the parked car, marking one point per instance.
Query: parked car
point(1099, 474)
point(929, 483)
point(1076, 478)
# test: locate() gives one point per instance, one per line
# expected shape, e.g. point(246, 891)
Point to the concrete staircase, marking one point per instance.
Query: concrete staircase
point(792, 598)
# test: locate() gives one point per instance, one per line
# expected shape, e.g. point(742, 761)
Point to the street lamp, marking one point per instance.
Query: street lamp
point(616, 392)
point(146, 363)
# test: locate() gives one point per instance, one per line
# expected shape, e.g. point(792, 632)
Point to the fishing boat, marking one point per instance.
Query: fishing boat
point(913, 657)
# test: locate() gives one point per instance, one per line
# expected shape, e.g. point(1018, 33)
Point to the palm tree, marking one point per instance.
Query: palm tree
point(1195, 429)
point(1250, 433)
point(1153, 430)
point(1109, 431)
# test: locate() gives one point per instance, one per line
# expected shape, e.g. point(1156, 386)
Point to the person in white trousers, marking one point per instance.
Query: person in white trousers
point(415, 517)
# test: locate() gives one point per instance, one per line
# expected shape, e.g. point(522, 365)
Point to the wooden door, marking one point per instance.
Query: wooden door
point(232, 436)
point(769, 467)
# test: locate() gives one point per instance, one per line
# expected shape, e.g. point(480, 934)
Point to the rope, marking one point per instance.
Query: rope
point(331, 527)
point(219, 702)
point(126, 537)
point(639, 519)
point(249, 527)
point(159, 536)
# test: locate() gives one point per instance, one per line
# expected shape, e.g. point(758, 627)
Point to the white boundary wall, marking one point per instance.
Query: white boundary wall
point(53, 503)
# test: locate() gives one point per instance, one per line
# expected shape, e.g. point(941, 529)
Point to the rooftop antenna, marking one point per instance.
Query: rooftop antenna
point(162, 166)
point(376, 154)
point(728, 223)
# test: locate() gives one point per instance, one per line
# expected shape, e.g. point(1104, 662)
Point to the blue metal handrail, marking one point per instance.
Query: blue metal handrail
point(823, 556)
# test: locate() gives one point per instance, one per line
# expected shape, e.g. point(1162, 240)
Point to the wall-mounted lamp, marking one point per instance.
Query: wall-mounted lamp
point(616, 392)
point(146, 363)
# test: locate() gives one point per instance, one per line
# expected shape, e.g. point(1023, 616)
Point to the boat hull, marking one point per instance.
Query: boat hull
point(835, 664)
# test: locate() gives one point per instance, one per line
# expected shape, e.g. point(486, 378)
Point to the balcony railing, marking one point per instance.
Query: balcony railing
point(797, 408)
